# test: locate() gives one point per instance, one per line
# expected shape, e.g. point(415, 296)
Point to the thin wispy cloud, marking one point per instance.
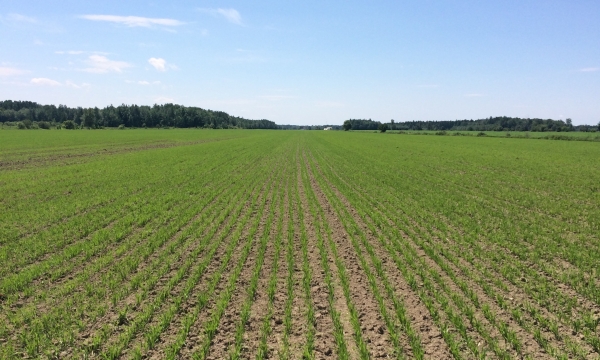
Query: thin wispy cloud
point(429, 86)
point(590, 69)
point(134, 21)
point(101, 64)
point(10, 71)
point(45, 82)
point(143, 82)
point(473, 95)
point(16, 18)
point(330, 104)
point(54, 83)
point(277, 97)
point(70, 52)
point(231, 15)
point(163, 100)
point(75, 86)
point(161, 64)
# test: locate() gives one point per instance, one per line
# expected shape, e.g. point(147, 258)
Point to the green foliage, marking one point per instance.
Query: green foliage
point(215, 243)
point(43, 125)
point(382, 128)
point(347, 125)
point(69, 125)
point(167, 115)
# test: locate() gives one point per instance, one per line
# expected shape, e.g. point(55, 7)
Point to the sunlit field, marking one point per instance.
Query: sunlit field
point(214, 244)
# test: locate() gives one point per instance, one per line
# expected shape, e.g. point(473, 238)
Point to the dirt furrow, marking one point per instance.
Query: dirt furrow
point(297, 337)
point(196, 336)
point(265, 310)
point(429, 333)
point(217, 263)
point(275, 338)
point(224, 341)
point(325, 344)
point(373, 326)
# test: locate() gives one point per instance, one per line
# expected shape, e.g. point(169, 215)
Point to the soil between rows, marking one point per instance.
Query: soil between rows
point(373, 327)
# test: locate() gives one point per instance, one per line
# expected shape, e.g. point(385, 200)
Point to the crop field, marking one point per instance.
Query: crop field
point(256, 244)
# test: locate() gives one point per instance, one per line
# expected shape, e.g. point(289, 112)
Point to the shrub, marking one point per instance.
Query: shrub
point(21, 126)
point(121, 127)
point(481, 133)
point(382, 128)
point(441, 133)
point(43, 125)
point(69, 124)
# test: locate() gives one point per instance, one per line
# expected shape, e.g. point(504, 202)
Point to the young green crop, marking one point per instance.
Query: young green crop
point(132, 244)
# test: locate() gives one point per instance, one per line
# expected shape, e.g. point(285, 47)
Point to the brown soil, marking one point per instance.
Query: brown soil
point(224, 335)
point(112, 314)
point(224, 341)
point(373, 327)
point(46, 159)
point(325, 346)
point(429, 333)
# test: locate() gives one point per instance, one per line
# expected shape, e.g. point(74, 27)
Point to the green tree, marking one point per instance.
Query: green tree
point(382, 128)
point(347, 125)
point(69, 124)
point(89, 118)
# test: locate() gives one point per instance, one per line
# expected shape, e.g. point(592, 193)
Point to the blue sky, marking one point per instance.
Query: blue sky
point(309, 62)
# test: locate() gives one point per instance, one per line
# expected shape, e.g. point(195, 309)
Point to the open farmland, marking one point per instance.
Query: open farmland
point(289, 244)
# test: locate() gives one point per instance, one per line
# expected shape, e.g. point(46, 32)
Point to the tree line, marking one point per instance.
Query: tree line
point(500, 123)
point(31, 114)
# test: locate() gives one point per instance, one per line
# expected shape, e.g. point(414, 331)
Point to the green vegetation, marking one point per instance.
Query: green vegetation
point(499, 123)
point(153, 243)
point(29, 115)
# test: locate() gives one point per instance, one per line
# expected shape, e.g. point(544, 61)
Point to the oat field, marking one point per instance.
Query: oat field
point(256, 244)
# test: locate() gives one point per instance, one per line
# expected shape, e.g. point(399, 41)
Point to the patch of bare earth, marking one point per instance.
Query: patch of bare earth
point(373, 327)
point(225, 335)
point(38, 160)
point(325, 346)
point(260, 308)
point(224, 340)
point(429, 333)
point(225, 231)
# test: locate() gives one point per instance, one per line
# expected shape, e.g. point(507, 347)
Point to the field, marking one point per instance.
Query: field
point(212, 244)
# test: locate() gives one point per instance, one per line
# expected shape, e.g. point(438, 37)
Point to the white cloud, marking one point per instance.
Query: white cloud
point(75, 86)
point(231, 15)
point(70, 52)
point(276, 97)
point(101, 64)
point(473, 95)
point(17, 18)
point(143, 82)
point(45, 82)
point(163, 100)
point(590, 69)
point(50, 82)
point(9, 71)
point(133, 21)
point(160, 64)
point(330, 104)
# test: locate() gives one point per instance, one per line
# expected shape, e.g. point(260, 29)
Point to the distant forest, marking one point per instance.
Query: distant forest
point(29, 114)
point(501, 123)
